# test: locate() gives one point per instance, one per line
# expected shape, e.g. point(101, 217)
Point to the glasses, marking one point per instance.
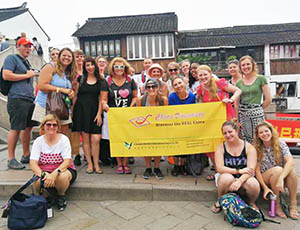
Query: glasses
point(51, 125)
point(151, 87)
point(173, 70)
point(119, 66)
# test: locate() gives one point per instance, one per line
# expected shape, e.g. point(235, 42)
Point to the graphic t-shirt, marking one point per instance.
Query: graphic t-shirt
point(119, 96)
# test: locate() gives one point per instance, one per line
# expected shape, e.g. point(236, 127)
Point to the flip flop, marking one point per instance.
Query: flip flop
point(210, 178)
point(120, 170)
point(216, 209)
point(89, 171)
point(293, 212)
point(127, 170)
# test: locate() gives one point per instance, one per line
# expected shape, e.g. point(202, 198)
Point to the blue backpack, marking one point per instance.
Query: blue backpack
point(238, 213)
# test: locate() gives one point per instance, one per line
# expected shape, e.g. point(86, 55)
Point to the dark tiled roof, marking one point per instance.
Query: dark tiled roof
point(135, 24)
point(7, 13)
point(254, 35)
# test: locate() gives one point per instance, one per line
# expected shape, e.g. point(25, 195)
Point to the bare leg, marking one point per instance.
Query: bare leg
point(95, 144)
point(25, 140)
point(156, 162)
point(119, 160)
point(252, 189)
point(224, 182)
point(148, 162)
point(291, 182)
point(62, 182)
point(87, 150)
point(64, 129)
point(13, 136)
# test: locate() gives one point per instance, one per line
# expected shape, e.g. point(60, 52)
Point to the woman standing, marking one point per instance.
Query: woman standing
point(193, 81)
point(56, 78)
point(275, 169)
point(173, 71)
point(156, 72)
point(235, 163)
point(88, 111)
point(180, 96)
point(54, 55)
point(51, 159)
point(233, 69)
point(253, 87)
point(185, 69)
point(211, 90)
point(152, 98)
point(119, 91)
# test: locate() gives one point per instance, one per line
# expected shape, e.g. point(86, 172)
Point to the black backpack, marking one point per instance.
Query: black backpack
point(6, 85)
point(195, 164)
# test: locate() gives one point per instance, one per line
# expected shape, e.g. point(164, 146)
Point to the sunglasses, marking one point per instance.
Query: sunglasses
point(119, 66)
point(173, 70)
point(151, 87)
point(51, 125)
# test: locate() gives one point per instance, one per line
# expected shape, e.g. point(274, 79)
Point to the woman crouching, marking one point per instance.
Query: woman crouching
point(51, 159)
point(275, 168)
point(235, 164)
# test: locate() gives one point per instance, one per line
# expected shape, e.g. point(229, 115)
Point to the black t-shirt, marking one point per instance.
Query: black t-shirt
point(119, 96)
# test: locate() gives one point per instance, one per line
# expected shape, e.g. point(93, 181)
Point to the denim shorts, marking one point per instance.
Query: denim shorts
point(20, 113)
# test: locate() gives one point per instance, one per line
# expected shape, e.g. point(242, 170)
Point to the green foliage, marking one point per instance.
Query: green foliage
point(201, 59)
point(231, 58)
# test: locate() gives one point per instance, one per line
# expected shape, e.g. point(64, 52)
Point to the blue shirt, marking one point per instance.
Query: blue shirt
point(19, 89)
point(175, 100)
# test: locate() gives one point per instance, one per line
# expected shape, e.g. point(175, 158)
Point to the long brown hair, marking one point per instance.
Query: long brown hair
point(213, 89)
point(254, 65)
point(259, 145)
point(71, 70)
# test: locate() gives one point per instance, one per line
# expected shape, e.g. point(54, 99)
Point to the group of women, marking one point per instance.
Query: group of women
point(236, 160)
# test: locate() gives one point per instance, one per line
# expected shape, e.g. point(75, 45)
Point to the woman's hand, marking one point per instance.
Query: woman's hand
point(105, 107)
point(280, 184)
point(266, 192)
point(248, 171)
point(98, 119)
point(235, 186)
point(49, 180)
point(227, 100)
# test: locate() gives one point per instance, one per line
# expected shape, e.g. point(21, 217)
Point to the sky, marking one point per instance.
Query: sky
point(59, 17)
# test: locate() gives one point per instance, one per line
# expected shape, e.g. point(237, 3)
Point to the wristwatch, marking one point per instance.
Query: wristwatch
point(58, 171)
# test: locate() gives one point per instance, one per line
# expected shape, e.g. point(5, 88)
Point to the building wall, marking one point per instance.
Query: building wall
point(285, 66)
point(13, 27)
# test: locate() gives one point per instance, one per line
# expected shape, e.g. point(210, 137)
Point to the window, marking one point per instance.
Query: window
point(87, 48)
point(93, 48)
point(118, 47)
point(284, 51)
point(286, 89)
point(105, 48)
point(99, 48)
point(109, 48)
point(154, 46)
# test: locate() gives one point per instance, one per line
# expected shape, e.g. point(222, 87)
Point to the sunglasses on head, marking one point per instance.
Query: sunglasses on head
point(51, 124)
point(151, 86)
point(173, 70)
point(119, 66)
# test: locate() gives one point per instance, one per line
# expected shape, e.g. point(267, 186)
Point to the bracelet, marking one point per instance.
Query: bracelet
point(57, 89)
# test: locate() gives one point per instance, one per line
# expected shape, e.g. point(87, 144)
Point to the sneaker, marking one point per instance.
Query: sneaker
point(148, 173)
point(77, 160)
point(25, 160)
point(158, 174)
point(61, 203)
point(14, 164)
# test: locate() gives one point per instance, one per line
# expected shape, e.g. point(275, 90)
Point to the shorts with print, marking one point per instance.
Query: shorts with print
point(20, 113)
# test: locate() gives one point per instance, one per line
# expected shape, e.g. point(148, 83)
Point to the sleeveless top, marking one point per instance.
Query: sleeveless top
point(58, 81)
point(235, 162)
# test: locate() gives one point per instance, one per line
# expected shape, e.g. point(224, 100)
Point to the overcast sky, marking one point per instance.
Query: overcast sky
point(59, 17)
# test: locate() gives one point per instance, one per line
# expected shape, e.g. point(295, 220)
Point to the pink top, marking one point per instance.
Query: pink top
point(221, 85)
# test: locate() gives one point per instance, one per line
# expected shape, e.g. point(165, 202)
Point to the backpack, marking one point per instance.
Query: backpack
point(195, 164)
point(238, 213)
point(5, 85)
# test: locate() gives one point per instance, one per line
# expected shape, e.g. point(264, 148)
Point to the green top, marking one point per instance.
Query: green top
point(252, 94)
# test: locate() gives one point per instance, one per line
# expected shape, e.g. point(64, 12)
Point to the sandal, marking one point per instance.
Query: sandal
point(127, 170)
point(210, 177)
point(280, 213)
point(89, 171)
point(216, 208)
point(120, 170)
point(99, 171)
point(293, 211)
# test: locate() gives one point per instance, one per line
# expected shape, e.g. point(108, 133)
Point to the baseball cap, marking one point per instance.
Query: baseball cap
point(24, 41)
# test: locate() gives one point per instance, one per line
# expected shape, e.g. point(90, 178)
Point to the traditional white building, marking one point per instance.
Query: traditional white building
point(19, 19)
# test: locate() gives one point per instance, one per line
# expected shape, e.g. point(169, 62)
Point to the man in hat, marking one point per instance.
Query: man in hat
point(16, 69)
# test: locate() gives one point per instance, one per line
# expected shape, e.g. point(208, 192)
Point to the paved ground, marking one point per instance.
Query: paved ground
point(142, 215)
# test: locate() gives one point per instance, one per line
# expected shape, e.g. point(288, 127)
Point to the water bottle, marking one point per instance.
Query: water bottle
point(68, 102)
point(272, 208)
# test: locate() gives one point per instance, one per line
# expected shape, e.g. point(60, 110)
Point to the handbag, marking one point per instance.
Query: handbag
point(57, 105)
point(26, 211)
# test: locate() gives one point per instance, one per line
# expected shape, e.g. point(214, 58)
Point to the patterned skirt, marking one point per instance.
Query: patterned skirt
point(249, 117)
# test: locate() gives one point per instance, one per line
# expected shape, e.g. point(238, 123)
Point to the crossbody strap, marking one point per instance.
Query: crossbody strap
point(28, 183)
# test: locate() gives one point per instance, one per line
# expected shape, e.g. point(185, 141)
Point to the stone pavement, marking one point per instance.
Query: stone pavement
point(145, 215)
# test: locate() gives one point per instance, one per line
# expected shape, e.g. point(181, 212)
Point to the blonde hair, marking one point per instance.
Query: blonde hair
point(213, 89)
point(254, 65)
point(49, 117)
point(118, 59)
point(259, 145)
point(71, 70)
